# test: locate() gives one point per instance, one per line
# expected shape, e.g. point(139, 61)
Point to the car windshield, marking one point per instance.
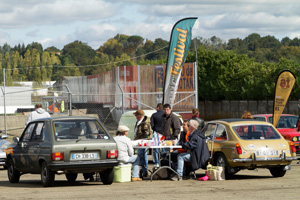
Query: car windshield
point(256, 132)
point(286, 121)
point(78, 130)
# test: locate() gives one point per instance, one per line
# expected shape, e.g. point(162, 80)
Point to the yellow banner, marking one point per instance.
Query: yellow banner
point(284, 85)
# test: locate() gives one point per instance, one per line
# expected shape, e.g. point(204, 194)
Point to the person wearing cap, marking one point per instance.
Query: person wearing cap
point(142, 131)
point(126, 152)
point(197, 151)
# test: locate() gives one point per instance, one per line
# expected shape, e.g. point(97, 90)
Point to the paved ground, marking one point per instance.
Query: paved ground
point(244, 185)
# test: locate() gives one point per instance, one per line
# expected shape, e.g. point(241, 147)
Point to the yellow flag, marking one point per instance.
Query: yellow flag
point(284, 85)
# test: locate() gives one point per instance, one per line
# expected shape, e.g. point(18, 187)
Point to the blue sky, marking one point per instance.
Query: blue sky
point(59, 22)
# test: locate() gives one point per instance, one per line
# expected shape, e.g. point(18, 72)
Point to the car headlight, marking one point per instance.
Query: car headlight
point(295, 139)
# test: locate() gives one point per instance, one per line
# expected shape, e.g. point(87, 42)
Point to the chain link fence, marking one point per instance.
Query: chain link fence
point(106, 95)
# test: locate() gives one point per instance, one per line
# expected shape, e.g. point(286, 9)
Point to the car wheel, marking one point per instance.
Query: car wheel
point(71, 177)
point(47, 176)
point(12, 173)
point(107, 176)
point(220, 160)
point(277, 171)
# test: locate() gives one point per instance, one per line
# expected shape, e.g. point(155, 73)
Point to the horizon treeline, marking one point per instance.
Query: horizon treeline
point(236, 69)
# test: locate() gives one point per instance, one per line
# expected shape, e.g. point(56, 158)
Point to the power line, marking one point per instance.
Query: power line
point(96, 65)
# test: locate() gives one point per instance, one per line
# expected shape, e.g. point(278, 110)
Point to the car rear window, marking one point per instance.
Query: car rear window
point(79, 129)
point(256, 132)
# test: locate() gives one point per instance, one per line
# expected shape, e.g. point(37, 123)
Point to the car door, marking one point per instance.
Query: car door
point(216, 136)
point(21, 149)
point(33, 147)
point(209, 131)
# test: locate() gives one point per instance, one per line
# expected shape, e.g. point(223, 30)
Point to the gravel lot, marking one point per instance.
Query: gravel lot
point(255, 184)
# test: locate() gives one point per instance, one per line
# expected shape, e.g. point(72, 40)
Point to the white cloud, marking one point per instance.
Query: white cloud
point(33, 33)
point(57, 22)
point(55, 12)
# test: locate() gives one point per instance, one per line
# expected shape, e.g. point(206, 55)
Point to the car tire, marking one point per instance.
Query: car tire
point(278, 171)
point(47, 176)
point(107, 176)
point(71, 177)
point(220, 160)
point(12, 173)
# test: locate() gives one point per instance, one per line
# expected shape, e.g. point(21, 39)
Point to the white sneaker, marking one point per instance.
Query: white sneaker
point(156, 165)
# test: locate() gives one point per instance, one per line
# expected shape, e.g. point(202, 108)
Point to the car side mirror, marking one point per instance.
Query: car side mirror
point(4, 137)
point(16, 139)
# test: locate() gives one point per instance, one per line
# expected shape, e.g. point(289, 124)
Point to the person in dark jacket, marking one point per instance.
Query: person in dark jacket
point(197, 150)
point(156, 124)
point(195, 116)
point(142, 131)
point(171, 124)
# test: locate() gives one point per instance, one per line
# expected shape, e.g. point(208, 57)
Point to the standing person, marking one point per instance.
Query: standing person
point(247, 115)
point(156, 124)
point(197, 150)
point(195, 116)
point(126, 152)
point(142, 131)
point(171, 124)
point(37, 114)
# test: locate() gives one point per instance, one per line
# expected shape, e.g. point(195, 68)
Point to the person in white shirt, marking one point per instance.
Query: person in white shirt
point(126, 153)
point(37, 114)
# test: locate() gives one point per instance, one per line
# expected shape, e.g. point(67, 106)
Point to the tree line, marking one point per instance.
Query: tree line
point(237, 69)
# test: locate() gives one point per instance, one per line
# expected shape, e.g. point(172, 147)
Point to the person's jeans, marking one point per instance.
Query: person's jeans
point(155, 156)
point(143, 157)
point(135, 165)
point(181, 158)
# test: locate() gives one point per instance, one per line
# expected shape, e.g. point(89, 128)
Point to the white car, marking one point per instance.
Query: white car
point(3, 146)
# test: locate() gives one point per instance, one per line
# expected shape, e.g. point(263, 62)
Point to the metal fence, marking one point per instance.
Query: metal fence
point(105, 95)
point(210, 110)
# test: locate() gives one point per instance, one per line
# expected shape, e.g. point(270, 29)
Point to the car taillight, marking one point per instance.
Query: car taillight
point(57, 156)
point(293, 148)
point(238, 148)
point(112, 154)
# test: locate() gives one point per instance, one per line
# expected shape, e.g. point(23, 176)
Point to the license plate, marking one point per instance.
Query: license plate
point(84, 156)
point(267, 153)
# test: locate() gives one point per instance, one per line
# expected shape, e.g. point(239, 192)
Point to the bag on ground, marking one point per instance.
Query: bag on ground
point(215, 173)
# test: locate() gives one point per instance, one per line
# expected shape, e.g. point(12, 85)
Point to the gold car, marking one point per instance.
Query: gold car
point(238, 144)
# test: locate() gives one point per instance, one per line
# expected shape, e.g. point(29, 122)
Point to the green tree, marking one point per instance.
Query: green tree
point(112, 47)
point(253, 41)
point(7, 66)
point(81, 53)
point(36, 72)
point(1, 70)
point(27, 64)
point(15, 64)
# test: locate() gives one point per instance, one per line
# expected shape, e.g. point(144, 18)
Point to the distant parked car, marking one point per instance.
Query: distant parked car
point(3, 146)
point(63, 145)
point(238, 144)
point(287, 126)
